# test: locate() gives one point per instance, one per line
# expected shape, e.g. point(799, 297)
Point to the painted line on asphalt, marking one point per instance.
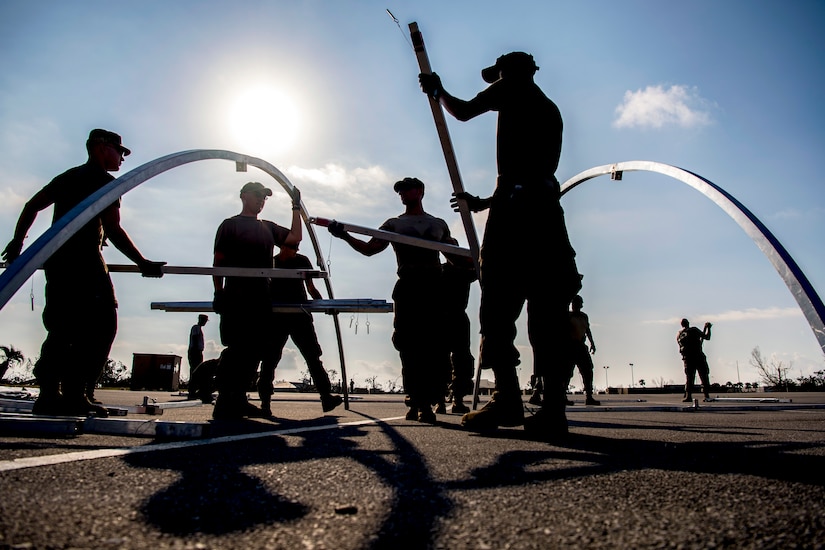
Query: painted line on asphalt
point(50, 460)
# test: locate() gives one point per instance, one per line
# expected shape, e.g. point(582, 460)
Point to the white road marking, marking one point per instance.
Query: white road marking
point(49, 460)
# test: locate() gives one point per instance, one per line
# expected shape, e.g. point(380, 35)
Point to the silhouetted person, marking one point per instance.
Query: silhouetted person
point(299, 326)
point(525, 222)
point(80, 315)
point(418, 334)
point(690, 346)
point(202, 380)
point(196, 343)
point(580, 333)
point(457, 276)
point(243, 302)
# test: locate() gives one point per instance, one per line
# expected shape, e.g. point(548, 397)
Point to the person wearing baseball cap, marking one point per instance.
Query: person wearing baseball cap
point(418, 334)
point(525, 219)
point(80, 315)
point(244, 303)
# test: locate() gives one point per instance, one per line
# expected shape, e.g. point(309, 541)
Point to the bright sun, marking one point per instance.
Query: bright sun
point(264, 121)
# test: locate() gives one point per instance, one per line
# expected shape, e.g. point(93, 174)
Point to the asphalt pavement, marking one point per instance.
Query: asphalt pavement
point(742, 471)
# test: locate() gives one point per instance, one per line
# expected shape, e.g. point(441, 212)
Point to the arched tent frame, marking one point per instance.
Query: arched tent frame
point(35, 255)
point(796, 281)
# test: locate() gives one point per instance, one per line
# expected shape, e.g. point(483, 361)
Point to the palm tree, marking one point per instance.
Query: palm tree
point(12, 357)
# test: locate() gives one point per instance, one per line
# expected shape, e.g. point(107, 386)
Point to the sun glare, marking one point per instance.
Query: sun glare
point(264, 121)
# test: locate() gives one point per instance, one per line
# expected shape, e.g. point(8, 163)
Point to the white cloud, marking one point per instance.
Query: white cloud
point(656, 107)
point(750, 314)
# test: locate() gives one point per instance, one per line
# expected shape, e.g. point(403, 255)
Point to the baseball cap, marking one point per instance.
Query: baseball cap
point(513, 61)
point(99, 135)
point(407, 183)
point(255, 187)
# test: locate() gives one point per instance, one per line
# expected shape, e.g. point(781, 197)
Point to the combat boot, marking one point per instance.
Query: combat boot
point(329, 402)
point(426, 415)
point(49, 401)
point(266, 407)
point(591, 401)
point(502, 410)
point(81, 406)
point(76, 403)
point(441, 407)
point(458, 405)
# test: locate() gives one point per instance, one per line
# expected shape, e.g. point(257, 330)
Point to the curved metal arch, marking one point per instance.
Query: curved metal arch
point(796, 281)
point(41, 249)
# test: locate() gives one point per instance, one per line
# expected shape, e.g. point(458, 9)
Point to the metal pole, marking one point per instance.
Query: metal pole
point(631, 375)
point(606, 384)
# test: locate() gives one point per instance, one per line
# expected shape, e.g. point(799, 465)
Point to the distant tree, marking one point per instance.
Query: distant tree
point(11, 357)
point(773, 373)
point(642, 382)
point(815, 382)
point(372, 385)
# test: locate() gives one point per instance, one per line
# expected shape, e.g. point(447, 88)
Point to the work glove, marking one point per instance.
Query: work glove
point(12, 250)
point(296, 198)
point(475, 204)
point(336, 229)
point(219, 302)
point(151, 269)
point(431, 85)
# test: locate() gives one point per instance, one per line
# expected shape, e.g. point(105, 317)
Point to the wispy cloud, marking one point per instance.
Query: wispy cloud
point(656, 107)
point(750, 314)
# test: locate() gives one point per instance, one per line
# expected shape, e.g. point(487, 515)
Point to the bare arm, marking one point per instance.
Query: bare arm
point(312, 289)
point(367, 248)
point(118, 236)
point(296, 228)
point(592, 343)
point(37, 203)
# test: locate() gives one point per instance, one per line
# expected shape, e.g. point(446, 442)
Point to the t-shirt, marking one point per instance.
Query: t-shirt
point(196, 342)
point(529, 135)
point(288, 290)
point(413, 260)
point(78, 267)
point(579, 323)
point(690, 341)
point(244, 241)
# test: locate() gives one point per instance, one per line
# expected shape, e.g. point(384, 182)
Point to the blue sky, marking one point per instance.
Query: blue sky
point(728, 90)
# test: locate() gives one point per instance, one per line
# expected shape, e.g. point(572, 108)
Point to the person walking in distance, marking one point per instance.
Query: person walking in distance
point(525, 218)
point(690, 346)
point(244, 303)
point(299, 326)
point(80, 315)
point(580, 333)
point(196, 343)
point(418, 334)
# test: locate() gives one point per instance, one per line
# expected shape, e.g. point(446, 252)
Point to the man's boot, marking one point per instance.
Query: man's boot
point(75, 402)
point(591, 401)
point(50, 400)
point(458, 405)
point(504, 409)
point(266, 407)
point(329, 401)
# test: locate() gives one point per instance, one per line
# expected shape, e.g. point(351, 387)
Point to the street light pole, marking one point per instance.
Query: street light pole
point(606, 385)
point(631, 375)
